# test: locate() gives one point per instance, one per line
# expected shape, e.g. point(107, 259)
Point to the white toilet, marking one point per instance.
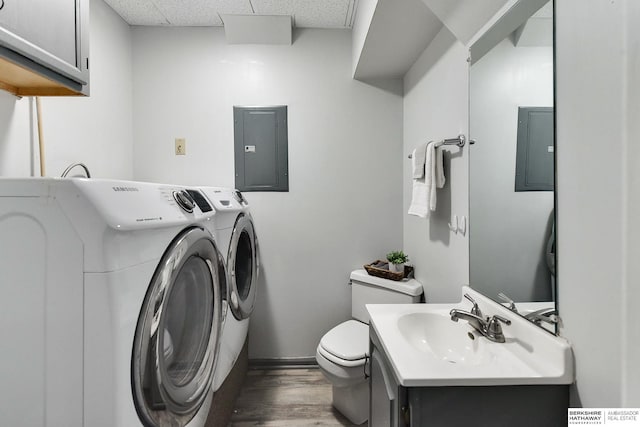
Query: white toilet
point(342, 351)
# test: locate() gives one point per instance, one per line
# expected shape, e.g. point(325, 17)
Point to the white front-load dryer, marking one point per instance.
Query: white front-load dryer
point(235, 233)
point(111, 304)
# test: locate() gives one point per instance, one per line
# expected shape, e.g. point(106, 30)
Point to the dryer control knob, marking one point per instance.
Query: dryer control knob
point(184, 200)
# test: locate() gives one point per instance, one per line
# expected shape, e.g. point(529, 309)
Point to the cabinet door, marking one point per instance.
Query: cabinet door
point(381, 402)
point(49, 37)
point(51, 25)
point(387, 398)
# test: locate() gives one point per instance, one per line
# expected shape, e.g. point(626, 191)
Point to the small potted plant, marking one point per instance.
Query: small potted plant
point(396, 261)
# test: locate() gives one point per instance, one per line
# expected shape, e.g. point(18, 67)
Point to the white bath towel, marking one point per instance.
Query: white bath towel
point(439, 160)
point(424, 197)
point(418, 158)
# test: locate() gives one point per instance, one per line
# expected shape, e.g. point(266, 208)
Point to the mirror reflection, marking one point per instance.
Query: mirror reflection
point(511, 172)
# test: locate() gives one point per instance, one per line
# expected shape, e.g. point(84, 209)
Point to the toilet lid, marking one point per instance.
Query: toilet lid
point(347, 341)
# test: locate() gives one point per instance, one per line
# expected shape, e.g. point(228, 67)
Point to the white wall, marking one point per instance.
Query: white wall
point(397, 34)
point(510, 229)
point(16, 135)
point(631, 295)
point(597, 105)
point(345, 158)
point(436, 107)
point(95, 130)
point(361, 24)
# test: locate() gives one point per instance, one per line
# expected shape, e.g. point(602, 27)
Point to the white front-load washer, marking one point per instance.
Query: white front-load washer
point(235, 233)
point(111, 306)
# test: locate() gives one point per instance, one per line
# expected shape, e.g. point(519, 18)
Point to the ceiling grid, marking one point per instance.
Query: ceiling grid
point(337, 14)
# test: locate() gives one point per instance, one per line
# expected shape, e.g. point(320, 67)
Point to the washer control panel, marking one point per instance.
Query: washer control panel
point(147, 204)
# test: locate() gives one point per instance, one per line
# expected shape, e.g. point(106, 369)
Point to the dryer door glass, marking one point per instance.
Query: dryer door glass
point(176, 340)
point(243, 266)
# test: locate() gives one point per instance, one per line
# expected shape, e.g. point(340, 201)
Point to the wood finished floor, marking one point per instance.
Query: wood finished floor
point(288, 398)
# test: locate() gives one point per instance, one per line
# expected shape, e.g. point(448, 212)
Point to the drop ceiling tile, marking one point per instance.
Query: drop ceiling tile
point(273, 7)
point(227, 7)
point(323, 13)
point(138, 12)
point(306, 13)
point(201, 12)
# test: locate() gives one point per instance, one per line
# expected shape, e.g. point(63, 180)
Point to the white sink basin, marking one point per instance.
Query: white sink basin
point(426, 348)
point(447, 340)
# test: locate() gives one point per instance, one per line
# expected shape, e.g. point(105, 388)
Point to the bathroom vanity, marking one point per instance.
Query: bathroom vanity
point(427, 370)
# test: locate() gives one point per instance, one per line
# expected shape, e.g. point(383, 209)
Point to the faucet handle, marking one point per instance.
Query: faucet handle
point(475, 309)
point(512, 304)
point(494, 328)
point(502, 319)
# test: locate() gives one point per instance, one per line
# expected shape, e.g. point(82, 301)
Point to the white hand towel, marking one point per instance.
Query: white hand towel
point(418, 160)
point(439, 163)
point(419, 199)
point(424, 198)
point(422, 187)
point(437, 173)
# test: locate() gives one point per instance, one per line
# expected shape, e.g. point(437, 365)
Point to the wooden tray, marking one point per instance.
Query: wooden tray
point(380, 268)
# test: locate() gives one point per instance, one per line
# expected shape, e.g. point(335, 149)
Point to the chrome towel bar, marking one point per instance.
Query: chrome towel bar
point(459, 141)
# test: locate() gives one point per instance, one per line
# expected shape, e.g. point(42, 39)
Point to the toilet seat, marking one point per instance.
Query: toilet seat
point(346, 344)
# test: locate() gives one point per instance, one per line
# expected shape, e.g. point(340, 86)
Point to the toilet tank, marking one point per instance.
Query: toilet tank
point(366, 289)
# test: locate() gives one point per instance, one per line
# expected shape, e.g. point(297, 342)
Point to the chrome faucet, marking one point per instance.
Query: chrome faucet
point(489, 327)
point(478, 323)
point(548, 315)
point(475, 310)
point(512, 304)
point(73, 165)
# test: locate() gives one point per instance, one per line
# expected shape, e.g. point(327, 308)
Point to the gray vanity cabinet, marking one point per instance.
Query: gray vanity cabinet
point(388, 405)
point(495, 406)
point(44, 47)
point(392, 405)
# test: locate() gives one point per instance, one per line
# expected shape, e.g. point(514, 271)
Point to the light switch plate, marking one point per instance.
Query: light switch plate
point(181, 146)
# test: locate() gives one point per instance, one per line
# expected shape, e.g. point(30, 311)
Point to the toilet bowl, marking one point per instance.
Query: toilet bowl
point(341, 356)
point(343, 351)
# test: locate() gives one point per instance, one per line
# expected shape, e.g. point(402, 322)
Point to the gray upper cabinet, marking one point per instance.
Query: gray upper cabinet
point(44, 47)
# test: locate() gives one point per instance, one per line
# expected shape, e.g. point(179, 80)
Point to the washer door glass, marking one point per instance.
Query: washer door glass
point(186, 323)
point(177, 335)
point(243, 266)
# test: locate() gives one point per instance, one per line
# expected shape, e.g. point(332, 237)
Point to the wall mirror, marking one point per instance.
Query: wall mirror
point(512, 162)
